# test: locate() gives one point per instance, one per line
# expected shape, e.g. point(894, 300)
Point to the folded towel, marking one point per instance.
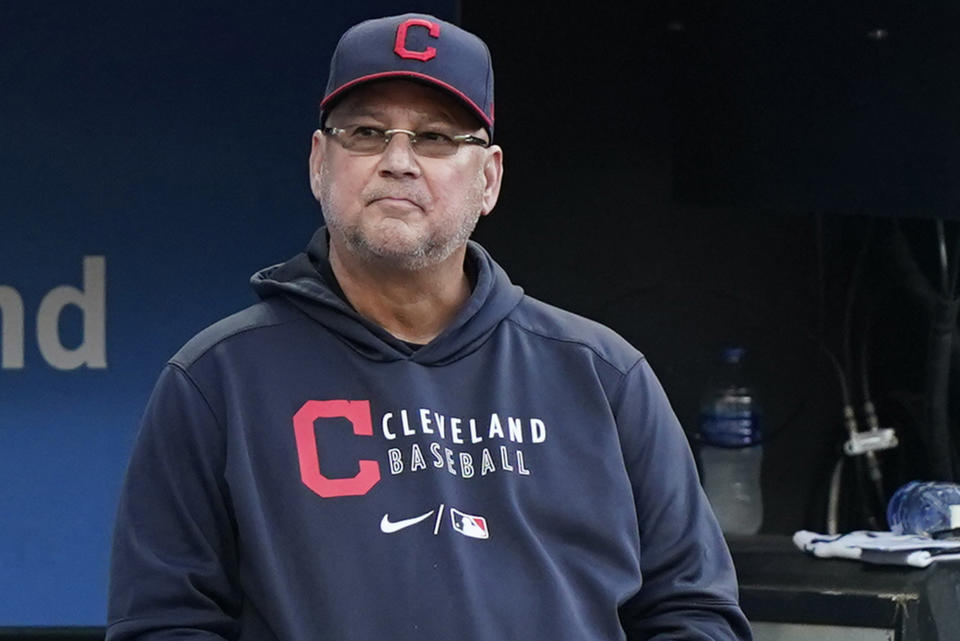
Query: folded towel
point(884, 548)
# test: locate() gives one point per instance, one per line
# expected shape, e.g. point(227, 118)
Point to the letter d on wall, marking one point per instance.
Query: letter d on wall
point(92, 350)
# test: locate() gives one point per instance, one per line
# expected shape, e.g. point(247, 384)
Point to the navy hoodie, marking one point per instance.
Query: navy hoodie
point(302, 475)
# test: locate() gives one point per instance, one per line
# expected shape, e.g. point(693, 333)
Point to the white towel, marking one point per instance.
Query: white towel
point(879, 547)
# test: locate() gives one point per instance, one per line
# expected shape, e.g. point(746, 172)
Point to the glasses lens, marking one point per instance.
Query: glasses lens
point(363, 140)
point(434, 145)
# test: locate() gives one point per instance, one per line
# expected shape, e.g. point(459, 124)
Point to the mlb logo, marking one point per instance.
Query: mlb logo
point(469, 525)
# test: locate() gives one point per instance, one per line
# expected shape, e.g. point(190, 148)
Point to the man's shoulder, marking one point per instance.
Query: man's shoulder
point(555, 324)
point(261, 315)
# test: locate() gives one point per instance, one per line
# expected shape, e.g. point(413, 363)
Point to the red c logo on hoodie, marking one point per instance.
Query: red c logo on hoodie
point(358, 413)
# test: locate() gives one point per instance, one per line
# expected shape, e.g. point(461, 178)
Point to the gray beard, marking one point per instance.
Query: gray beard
point(427, 254)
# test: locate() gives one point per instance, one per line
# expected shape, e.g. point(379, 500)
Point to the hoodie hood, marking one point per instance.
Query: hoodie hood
point(303, 281)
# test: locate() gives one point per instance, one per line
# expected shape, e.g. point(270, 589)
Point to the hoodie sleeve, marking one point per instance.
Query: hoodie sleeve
point(173, 565)
point(689, 588)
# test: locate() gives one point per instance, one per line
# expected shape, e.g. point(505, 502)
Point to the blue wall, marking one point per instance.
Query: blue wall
point(164, 146)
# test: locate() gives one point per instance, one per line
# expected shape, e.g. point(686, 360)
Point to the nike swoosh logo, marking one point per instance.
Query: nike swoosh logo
point(389, 527)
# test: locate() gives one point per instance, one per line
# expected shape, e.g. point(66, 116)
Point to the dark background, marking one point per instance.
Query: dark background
point(698, 174)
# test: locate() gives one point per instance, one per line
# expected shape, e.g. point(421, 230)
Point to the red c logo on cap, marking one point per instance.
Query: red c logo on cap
point(400, 47)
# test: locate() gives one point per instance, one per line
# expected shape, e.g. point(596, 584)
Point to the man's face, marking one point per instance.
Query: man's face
point(395, 207)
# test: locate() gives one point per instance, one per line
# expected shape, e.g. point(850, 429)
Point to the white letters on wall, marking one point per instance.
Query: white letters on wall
point(91, 300)
point(11, 329)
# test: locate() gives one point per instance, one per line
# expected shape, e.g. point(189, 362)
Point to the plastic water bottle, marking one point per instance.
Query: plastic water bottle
point(924, 507)
point(731, 453)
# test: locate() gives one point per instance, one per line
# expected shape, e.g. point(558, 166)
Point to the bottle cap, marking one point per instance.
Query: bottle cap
point(733, 354)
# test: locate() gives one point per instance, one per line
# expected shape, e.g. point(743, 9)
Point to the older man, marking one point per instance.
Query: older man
point(396, 443)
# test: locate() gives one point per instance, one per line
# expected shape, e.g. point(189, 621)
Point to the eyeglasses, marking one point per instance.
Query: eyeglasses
point(367, 141)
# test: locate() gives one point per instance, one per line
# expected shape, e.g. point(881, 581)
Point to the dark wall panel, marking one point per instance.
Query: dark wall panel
point(646, 188)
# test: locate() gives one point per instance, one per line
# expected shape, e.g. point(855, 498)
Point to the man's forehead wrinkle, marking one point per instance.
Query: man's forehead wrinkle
point(382, 111)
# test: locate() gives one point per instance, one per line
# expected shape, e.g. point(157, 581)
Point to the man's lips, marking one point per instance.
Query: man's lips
point(398, 201)
point(396, 195)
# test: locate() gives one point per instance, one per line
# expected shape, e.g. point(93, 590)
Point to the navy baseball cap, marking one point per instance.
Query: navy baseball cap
point(418, 47)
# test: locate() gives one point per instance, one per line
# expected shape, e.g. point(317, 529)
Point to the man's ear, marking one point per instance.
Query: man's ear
point(317, 149)
point(493, 175)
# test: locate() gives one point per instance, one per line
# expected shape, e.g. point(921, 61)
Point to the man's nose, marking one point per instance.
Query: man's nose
point(398, 158)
